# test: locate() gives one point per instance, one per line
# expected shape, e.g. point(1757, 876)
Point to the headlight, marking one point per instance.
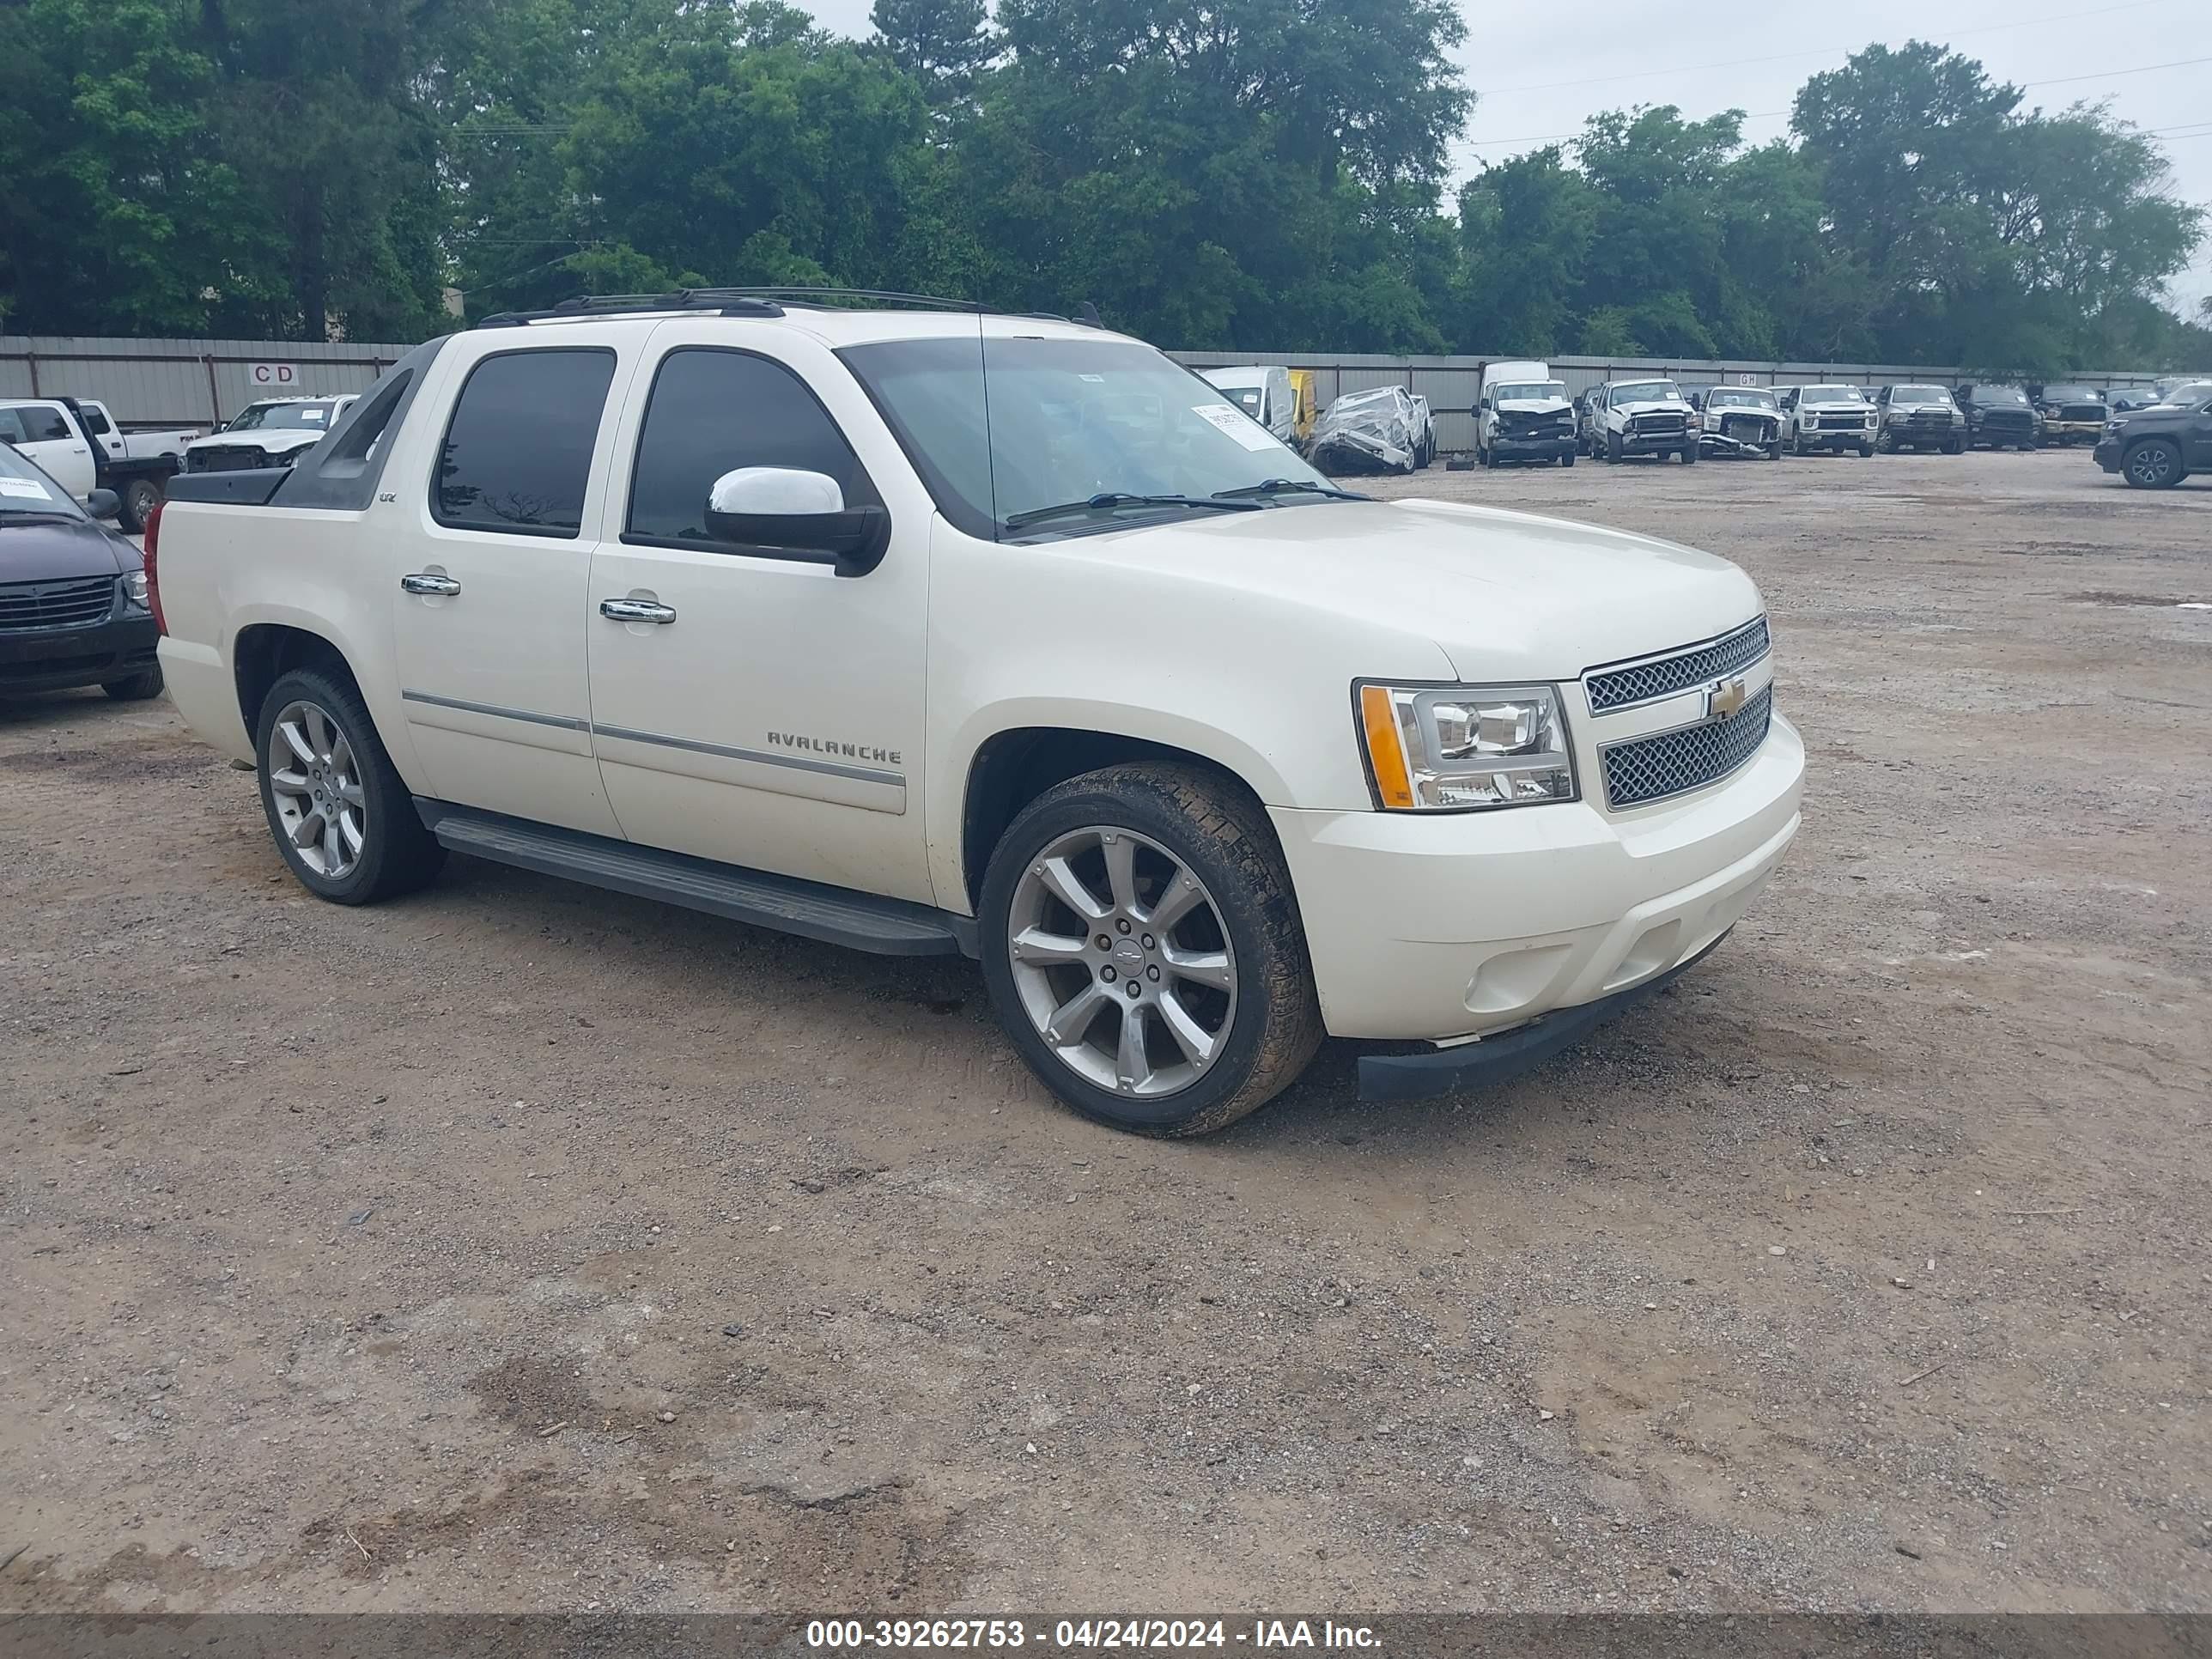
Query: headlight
point(1465, 746)
point(1869, 417)
point(134, 590)
point(2114, 425)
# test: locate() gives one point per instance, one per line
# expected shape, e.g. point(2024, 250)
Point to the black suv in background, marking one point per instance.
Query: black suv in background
point(2157, 448)
point(73, 600)
point(2000, 415)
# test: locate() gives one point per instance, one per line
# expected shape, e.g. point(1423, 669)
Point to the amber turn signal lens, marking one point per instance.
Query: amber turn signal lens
point(1386, 750)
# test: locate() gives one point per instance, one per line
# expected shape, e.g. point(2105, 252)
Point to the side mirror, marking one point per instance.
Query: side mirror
point(104, 504)
point(790, 511)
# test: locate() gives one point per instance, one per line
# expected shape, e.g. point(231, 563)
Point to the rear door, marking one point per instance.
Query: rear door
point(46, 433)
point(490, 567)
point(774, 719)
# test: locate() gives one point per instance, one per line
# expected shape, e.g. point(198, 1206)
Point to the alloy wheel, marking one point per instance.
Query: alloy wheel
point(315, 783)
point(1121, 961)
point(2150, 463)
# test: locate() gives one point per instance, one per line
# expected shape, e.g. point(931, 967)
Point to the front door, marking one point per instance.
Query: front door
point(2197, 438)
point(45, 434)
point(772, 718)
point(489, 572)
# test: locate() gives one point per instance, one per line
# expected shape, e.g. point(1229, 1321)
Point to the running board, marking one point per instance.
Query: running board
point(891, 928)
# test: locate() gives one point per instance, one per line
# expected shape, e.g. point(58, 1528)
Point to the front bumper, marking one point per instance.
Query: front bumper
point(2107, 453)
point(1444, 928)
point(1656, 443)
point(1548, 447)
point(1841, 437)
point(2067, 432)
point(58, 658)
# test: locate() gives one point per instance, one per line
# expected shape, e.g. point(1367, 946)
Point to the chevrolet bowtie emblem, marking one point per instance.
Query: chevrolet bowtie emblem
point(1724, 697)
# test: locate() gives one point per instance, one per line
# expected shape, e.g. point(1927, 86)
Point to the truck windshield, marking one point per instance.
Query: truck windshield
point(1829, 394)
point(1918, 394)
point(1646, 391)
point(1245, 397)
point(1738, 398)
point(1999, 394)
point(315, 417)
point(1104, 433)
point(26, 490)
point(1532, 390)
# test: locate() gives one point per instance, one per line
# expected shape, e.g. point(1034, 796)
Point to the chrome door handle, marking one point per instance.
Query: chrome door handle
point(637, 611)
point(419, 583)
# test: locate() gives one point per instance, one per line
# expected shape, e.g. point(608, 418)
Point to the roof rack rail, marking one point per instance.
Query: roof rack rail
point(727, 301)
point(765, 302)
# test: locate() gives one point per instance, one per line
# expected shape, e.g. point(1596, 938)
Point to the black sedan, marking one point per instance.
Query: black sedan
point(73, 603)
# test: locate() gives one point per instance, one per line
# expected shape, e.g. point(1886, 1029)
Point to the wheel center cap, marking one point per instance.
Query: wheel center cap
point(1128, 952)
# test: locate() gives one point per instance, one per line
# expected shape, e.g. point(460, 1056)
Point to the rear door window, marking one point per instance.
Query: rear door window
point(518, 450)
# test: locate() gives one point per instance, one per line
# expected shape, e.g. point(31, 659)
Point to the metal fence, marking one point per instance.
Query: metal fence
point(183, 382)
point(198, 382)
point(1451, 384)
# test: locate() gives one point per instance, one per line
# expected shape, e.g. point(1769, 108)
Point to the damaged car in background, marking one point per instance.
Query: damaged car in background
point(1378, 431)
point(1740, 421)
point(1524, 415)
point(1638, 417)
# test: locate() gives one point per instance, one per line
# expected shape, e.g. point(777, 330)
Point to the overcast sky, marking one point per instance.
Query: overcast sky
point(1540, 69)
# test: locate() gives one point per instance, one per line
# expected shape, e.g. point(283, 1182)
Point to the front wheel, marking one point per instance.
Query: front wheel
point(1866, 452)
point(1567, 459)
point(1613, 452)
point(2153, 464)
point(1774, 449)
point(137, 688)
point(1689, 454)
point(342, 818)
point(1144, 951)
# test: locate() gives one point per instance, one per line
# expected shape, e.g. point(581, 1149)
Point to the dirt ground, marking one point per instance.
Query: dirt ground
point(519, 1246)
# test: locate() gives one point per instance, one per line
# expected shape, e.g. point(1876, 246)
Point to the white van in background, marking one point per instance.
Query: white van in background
point(1524, 415)
point(1264, 393)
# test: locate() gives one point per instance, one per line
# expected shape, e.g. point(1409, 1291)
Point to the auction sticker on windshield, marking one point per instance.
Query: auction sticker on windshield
point(1240, 426)
point(29, 489)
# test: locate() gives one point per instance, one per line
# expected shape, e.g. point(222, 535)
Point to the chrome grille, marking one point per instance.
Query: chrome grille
point(1617, 688)
point(1646, 769)
point(1660, 424)
point(70, 604)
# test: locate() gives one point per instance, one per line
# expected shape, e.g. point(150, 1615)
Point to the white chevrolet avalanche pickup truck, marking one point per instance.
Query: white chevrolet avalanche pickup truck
point(947, 631)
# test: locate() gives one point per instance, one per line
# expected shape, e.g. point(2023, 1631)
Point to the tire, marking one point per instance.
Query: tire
point(1866, 452)
point(1487, 457)
point(137, 689)
point(139, 500)
point(1955, 447)
point(2152, 464)
point(1689, 453)
point(1612, 451)
point(1885, 442)
point(1182, 823)
point(1797, 444)
point(1774, 449)
point(395, 854)
point(1567, 459)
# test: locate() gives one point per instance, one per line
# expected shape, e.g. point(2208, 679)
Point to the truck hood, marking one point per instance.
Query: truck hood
point(39, 552)
point(1850, 407)
point(1506, 596)
point(270, 440)
point(1656, 406)
point(1534, 405)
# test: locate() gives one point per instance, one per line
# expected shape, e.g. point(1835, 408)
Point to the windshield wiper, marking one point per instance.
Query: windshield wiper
point(34, 515)
point(1273, 487)
point(1113, 499)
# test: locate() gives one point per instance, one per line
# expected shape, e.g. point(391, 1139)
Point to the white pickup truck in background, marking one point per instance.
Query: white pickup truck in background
point(938, 631)
point(76, 443)
point(273, 432)
point(132, 443)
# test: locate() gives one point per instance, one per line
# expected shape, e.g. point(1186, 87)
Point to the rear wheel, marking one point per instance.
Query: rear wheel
point(138, 501)
point(342, 818)
point(2153, 464)
point(1144, 951)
